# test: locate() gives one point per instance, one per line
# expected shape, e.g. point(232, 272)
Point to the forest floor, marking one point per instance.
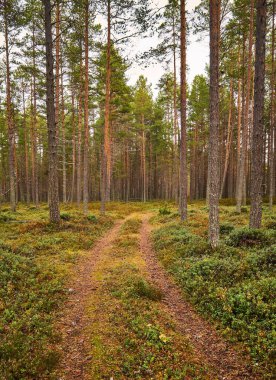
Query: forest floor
point(146, 298)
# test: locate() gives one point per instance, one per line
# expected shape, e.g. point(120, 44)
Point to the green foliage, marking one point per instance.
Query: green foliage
point(233, 284)
point(92, 218)
point(65, 216)
point(6, 217)
point(35, 261)
point(247, 237)
point(271, 225)
point(165, 210)
point(225, 228)
point(141, 288)
point(28, 294)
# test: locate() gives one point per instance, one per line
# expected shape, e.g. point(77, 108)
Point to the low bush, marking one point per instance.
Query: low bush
point(141, 288)
point(28, 295)
point(225, 229)
point(92, 218)
point(65, 216)
point(232, 284)
point(164, 210)
point(247, 237)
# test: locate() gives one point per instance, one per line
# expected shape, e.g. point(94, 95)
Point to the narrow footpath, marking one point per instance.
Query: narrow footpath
point(126, 318)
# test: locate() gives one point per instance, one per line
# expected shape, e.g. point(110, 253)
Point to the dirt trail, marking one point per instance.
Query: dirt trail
point(75, 342)
point(208, 345)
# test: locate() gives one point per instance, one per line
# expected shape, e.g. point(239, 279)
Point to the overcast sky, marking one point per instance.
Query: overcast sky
point(197, 54)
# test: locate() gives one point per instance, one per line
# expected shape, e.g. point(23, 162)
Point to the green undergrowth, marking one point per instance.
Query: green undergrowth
point(132, 337)
point(36, 259)
point(234, 284)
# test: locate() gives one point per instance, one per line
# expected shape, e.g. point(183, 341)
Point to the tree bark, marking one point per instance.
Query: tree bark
point(271, 183)
point(229, 139)
point(10, 122)
point(213, 161)
point(241, 184)
point(26, 147)
point(258, 119)
point(35, 191)
point(183, 108)
point(64, 174)
point(51, 124)
point(86, 125)
point(106, 157)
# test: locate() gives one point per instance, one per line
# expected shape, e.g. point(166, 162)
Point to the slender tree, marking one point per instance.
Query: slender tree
point(213, 161)
point(106, 154)
point(10, 121)
point(51, 123)
point(86, 121)
point(183, 106)
point(258, 120)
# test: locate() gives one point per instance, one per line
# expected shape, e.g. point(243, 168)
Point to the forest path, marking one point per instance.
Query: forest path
point(73, 324)
point(126, 319)
point(208, 345)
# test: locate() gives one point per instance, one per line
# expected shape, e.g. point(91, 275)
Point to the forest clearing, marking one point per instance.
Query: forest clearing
point(137, 189)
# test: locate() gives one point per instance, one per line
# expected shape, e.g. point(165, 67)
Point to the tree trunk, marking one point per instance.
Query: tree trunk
point(64, 176)
point(35, 191)
point(79, 145)
point(183, 107)
point(271, 183)
point(241, 184)
point(213, 161)
point(26, 147)
point(175, 123)
point(86, 125)
point(229, 139)
point(106, 157)
point(10, 122)
point(51, 125)
point(258, 119)
point(73, 148)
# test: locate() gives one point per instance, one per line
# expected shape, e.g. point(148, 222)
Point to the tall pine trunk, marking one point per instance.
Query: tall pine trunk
point(35, 191)
point(10, 121)
point(26, 147)
point(213, 157)
point(258, 119)
point(51, 124)
point(106, 156)
point(271, 183)
point(86, 126)
point(183, 107)
point(241, 178)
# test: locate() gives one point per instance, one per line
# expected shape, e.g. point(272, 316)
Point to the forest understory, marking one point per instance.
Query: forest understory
point(135, 294)
point(137, 189)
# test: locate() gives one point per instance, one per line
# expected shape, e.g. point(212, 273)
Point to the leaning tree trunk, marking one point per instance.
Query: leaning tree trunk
point(258, 119)
point(213, 157)
point(183, 107)
point(51, 124)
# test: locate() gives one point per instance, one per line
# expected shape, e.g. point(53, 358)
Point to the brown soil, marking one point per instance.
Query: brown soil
point(74, 322)
point(208, 345)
